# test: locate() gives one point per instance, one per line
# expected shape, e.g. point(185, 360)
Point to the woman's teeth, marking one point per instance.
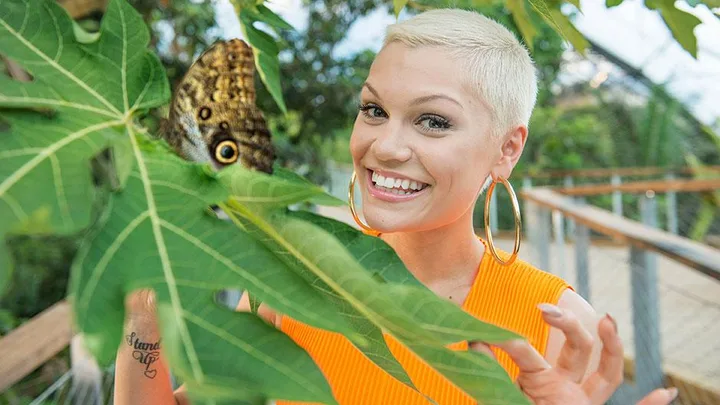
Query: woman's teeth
point(397, 186)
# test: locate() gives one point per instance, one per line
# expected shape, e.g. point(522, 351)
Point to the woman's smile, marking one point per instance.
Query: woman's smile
point(393, 187)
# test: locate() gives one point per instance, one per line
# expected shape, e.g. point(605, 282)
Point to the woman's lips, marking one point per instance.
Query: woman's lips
point(384, 195)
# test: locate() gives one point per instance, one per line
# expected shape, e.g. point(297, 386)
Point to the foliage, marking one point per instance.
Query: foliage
point(146, 224)
point(567, 139)
point(41, 277)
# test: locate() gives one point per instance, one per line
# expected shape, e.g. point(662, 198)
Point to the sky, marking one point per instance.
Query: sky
point(631, 31)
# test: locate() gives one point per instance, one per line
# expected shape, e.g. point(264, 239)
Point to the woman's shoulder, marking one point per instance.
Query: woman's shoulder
point(521, 277)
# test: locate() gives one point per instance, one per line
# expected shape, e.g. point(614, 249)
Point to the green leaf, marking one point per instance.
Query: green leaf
point(561, 23)
point(254, 303)
point(523, 21)
point(92, 90)
point(568, 30)
point(157, 235)
point(268, 354)
point(266, 55)
point(682, 24)
point(575, 3)
point(612, 3)
point(156, 231)
point(398, 6)
point(320, 199)
point(412, 314)
point(281, 189)
point(266, 15)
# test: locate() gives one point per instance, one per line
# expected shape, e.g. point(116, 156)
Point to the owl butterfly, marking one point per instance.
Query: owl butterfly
point(213, 117)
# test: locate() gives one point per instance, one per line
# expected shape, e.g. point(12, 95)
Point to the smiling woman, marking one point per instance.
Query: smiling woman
point(443, 115)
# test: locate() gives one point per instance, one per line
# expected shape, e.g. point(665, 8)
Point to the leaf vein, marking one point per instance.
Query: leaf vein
point(165, 260)
point(105, 260)
point(32, 163)
point(62, 70)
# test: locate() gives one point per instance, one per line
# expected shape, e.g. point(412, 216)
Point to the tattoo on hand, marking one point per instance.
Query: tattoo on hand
point(145, 353)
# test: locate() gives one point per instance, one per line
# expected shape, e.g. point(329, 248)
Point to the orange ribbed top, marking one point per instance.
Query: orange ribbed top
point(504, 296)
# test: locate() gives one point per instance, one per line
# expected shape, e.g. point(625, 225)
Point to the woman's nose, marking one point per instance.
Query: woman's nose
point(391, 145)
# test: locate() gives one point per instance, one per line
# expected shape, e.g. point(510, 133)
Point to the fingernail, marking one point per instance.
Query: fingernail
point(608, 316)
point(673, 393)
point(550, 309)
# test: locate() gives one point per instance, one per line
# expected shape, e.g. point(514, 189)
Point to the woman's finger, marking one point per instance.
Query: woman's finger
point(575, 354)
point(660, 396)
point(609, 375)
point(524, 355)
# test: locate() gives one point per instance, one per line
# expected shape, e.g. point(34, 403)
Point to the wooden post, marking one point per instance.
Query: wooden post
point(569, 183)
point(671, 207)
point(559, 235)
point(646, 316)
point(529, 219)
point(616, 196)
point(542, 232)
point(582, 250)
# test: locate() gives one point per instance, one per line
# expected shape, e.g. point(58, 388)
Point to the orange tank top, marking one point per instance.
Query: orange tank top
point(504, 296)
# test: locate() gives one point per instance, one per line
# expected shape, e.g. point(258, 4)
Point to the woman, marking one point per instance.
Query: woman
point(447, 102)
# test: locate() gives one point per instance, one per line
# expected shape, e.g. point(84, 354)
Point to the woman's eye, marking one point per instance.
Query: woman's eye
point(372, 111)
point(434, 123)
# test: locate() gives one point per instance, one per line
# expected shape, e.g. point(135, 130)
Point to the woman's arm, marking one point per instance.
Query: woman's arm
point(141, 373)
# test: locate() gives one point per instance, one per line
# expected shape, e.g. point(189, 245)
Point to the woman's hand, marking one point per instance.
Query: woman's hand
point(563, 384)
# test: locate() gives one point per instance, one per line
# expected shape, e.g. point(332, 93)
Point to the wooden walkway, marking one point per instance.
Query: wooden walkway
point(689, 304)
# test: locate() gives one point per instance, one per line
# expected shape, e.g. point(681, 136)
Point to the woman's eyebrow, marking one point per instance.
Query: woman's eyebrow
point(431, 97)
point(419, 100)
point(372, 89)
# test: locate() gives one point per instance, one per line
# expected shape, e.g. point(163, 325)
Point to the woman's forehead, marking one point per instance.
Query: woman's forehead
point(401, 73)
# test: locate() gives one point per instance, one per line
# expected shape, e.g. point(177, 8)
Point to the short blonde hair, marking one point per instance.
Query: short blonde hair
point(500, 69)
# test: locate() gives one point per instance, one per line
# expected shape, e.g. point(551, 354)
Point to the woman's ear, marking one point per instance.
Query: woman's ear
point(510, 151)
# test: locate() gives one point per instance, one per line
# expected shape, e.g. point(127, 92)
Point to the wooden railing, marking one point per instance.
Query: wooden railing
point(613, 171)
point(544, 205)
point(31, 345)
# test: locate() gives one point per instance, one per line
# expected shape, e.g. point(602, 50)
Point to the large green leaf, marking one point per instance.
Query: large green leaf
point(157, 231)
point(283, 189)
point(92, 90)
point(410, 313)
point(158, 234)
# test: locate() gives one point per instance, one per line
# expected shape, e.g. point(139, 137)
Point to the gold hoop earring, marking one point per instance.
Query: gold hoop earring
point(516, 214)
point(356, 218)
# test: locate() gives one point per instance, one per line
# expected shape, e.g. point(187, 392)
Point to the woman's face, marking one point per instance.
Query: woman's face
point(421, 143)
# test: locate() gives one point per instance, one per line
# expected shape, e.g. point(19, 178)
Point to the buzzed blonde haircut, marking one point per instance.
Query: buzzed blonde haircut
point(500, 70)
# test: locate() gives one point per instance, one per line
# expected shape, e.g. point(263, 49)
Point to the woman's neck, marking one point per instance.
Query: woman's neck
point(442, 258)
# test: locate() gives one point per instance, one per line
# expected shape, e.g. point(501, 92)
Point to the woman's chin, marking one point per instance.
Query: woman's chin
point(390, 225)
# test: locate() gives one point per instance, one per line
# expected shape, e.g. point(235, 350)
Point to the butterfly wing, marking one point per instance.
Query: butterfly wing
point(213, 117)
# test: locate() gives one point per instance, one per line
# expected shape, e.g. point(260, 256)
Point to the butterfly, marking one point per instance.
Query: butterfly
point(213, 117)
